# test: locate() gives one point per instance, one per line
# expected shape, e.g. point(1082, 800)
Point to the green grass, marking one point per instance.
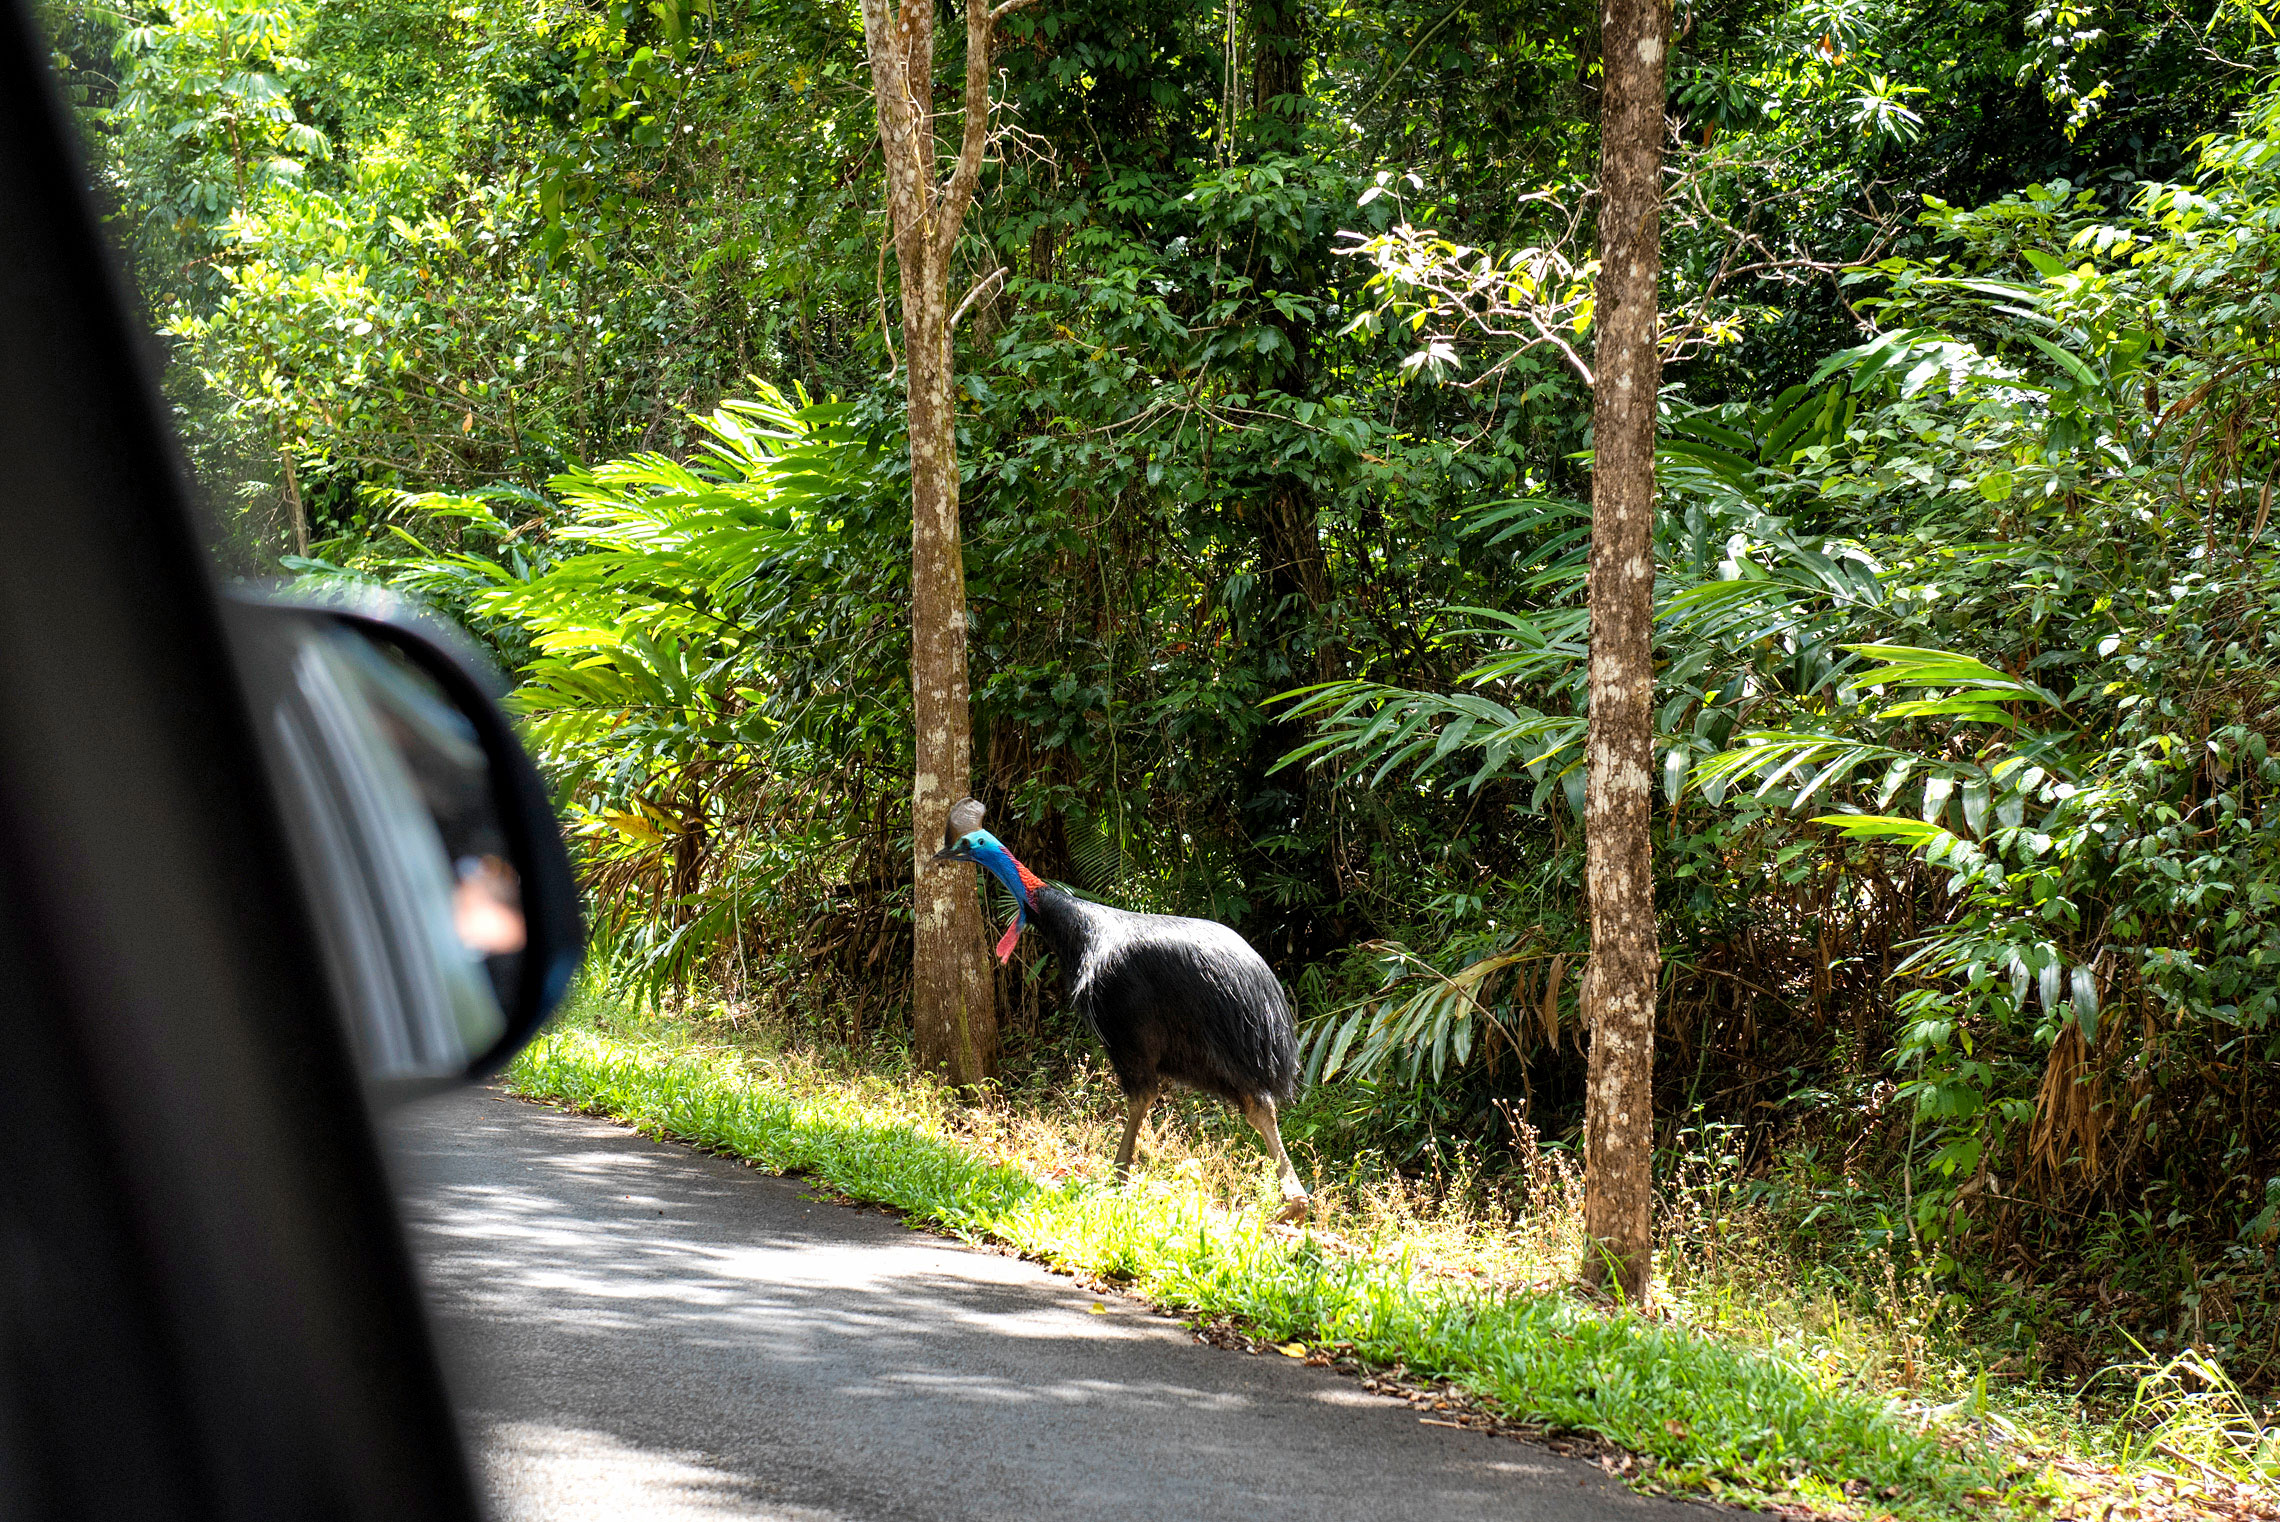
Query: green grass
point(1732, 1422)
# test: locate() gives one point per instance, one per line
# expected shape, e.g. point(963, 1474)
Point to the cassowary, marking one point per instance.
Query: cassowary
point(1175, 1001)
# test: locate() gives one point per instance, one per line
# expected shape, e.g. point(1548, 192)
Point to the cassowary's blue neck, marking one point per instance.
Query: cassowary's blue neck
point(1019, 881)
point(1005, 869)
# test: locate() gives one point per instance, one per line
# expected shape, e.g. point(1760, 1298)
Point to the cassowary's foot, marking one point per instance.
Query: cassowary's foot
point(1260, 1112)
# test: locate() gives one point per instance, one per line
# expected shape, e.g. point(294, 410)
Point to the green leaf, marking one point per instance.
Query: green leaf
point(1909, 832)
point(2011, 812)
point(1894, 777)
point(2078, 371)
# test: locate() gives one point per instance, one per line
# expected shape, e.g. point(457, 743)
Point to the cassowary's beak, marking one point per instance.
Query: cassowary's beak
point(957, 852)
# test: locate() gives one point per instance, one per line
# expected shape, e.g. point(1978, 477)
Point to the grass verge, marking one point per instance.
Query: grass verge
point(1736, 1424)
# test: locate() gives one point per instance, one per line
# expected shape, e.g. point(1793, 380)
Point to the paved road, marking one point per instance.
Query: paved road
point(640, 1331)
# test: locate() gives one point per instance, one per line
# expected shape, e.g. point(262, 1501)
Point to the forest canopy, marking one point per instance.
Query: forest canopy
point(576, 319)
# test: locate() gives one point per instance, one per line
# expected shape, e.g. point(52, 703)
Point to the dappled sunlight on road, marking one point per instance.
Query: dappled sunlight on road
point(638, 1330)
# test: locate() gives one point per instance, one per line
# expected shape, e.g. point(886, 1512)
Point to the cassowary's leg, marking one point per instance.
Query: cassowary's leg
point(1260, 1112)
point(1136, 1103)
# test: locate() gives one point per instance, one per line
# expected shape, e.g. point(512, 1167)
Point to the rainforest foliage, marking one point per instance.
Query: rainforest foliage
point(575, 317)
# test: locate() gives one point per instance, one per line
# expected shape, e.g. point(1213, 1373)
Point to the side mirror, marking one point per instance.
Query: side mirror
point(428, 846)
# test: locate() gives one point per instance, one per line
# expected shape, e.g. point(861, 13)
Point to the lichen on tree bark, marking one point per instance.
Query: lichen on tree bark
point(1619, 984)
point(953, 1006)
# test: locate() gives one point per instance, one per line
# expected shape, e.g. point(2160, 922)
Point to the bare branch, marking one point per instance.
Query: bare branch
point(983, 290)
point(1464, 300)
point(1538, 295)
point(958, 193)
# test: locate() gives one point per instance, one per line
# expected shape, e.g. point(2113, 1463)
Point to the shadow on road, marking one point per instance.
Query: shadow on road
point(638, 1330)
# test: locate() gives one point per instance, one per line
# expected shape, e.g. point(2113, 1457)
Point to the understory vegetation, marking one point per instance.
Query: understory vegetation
point(574, 319)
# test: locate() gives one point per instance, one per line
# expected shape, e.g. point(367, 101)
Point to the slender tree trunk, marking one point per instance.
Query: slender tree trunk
point(1278, 64)
point(295, 511)
point(953, 1003)
point(1619, 988)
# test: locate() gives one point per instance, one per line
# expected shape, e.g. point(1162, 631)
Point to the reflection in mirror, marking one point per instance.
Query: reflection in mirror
point(486, 906)
point(445, 757)
point(419, 905)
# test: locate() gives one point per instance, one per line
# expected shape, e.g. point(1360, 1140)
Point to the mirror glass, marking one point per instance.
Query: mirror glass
point(420, 903)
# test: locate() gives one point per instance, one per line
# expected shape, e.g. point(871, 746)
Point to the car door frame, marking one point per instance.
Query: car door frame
point(207, 1308)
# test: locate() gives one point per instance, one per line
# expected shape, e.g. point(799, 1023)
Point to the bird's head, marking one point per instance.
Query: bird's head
point(967, 848)
point(965, 835)
point(966, 840)
point(986, 851)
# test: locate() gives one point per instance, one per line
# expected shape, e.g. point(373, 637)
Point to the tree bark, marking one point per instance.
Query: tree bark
point(1619, 987)
point(1278, 62)
point(296, 514)
point(953, 1003)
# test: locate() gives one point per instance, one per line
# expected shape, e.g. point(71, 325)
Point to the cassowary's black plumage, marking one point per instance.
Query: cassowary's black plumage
point(1179, 1000)
point(1175, 1001)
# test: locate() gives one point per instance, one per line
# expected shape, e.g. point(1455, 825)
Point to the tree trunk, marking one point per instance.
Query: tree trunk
point(1619, 988)
point(296, 514)
point(953, 1003)
point(1278, 65)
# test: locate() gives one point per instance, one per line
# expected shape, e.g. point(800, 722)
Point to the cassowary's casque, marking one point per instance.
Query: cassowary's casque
point(1175, 1001)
